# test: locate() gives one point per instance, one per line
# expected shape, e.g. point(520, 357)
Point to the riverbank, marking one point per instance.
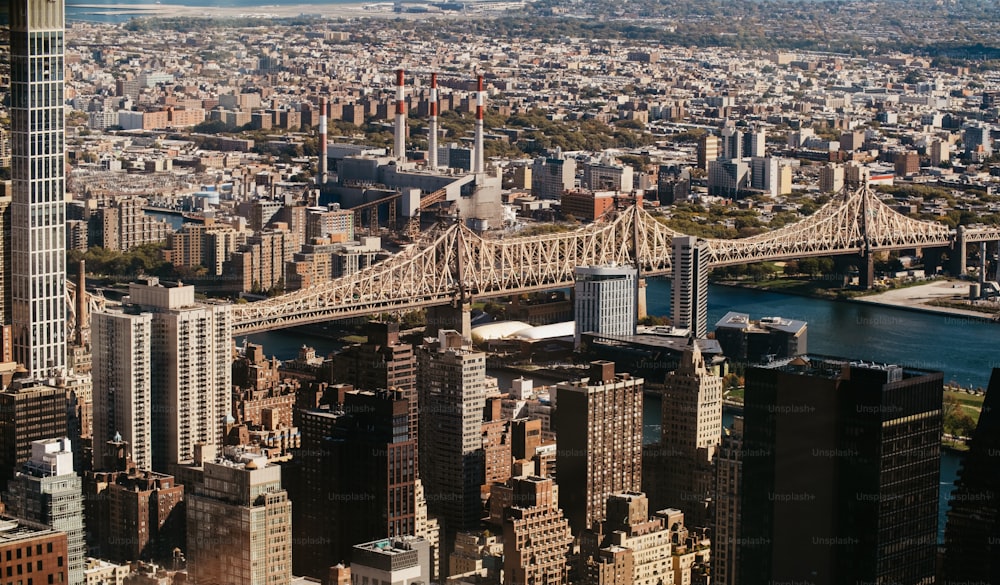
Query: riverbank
point(265, 12)
point(818, 288)
point(918, 298)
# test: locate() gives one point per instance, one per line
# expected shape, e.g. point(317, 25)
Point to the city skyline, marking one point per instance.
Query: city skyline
point(483, 378)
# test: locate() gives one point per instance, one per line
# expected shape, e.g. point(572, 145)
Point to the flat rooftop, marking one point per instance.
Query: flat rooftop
point(835, 367)
point(14, 529)
point(735, 320)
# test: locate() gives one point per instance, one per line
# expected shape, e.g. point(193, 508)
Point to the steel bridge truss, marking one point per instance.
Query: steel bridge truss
point(854, 222)
point(456, 264)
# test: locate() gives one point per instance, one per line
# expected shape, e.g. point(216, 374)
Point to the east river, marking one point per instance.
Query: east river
point(963, 349)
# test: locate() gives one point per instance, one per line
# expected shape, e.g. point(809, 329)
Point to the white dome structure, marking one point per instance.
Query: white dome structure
point(497, 330)
point(551, 331)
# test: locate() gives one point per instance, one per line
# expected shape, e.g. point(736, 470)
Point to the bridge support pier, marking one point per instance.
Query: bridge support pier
point(959, 254)
point(932, 260)
point(455, 316)
point(996, 276)
point(641, 301)
point(983, 266)
point(866, 271)
point(842, 266)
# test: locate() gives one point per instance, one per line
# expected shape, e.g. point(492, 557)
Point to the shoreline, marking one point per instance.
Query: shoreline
point(901, 299)
point(352, 9)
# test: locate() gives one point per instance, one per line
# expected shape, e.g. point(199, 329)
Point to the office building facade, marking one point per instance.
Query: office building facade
point(606, 174)
point(38, 173)
point(239, 525)
point(29, 411)
point(708, 150)
point(765, 175)
point(191, 382)
point(750, 341)
point(689, 293)
point(831, 178)
point(728, 177)
point(972, 548)
point(690, 433)
point(840, 472)
point(599, 432)
point(728, 489)
point(392, 561)
point(383, 362)
point(132, 514)
point(7, 354)
point(122, 346)
point(356, 480)
point(977, 141)
point(49, 492)
point(550, 177)
point(25, 544)
point(452, 387)
point(536, 536)
point(606, 300)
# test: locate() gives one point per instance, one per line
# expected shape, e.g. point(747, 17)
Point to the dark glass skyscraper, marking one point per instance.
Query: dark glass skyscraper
point(841, 463)
point(38, 173)
point(356, 479)
point(972, 538)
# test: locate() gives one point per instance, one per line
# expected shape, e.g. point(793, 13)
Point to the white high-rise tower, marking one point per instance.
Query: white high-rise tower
point(606, 300)
point(190, 371)
point(122, 377)
point(38, 207)
point(689, 295)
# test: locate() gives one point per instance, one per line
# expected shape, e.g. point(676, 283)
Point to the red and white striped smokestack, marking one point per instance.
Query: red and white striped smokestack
point(480, 101)
point(322, 171)
point(432, 128)
point(400, 147)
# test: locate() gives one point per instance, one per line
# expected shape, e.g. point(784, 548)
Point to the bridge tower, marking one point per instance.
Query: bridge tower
point(456, 315)
point(640, 281)
point(959, 253)
point(866, 261)
point(983, 266)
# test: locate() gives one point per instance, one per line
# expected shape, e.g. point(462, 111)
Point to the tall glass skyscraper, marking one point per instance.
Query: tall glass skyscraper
point(38, 207)
point(841, 467)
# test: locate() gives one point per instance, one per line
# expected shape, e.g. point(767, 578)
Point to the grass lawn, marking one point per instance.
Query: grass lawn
point(971, 405)
point(965, 399)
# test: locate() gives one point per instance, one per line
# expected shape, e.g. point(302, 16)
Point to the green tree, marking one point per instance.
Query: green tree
point(809, 266)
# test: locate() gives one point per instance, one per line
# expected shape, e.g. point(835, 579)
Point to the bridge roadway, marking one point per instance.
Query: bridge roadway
point(455, 264)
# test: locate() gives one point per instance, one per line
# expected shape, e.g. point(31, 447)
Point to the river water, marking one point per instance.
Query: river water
point(964, 350)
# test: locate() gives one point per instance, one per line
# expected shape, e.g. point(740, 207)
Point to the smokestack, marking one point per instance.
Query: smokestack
point(400, 148)
point(480, 100)
point(321, 169)
point(81, 301)
point(432, 128)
